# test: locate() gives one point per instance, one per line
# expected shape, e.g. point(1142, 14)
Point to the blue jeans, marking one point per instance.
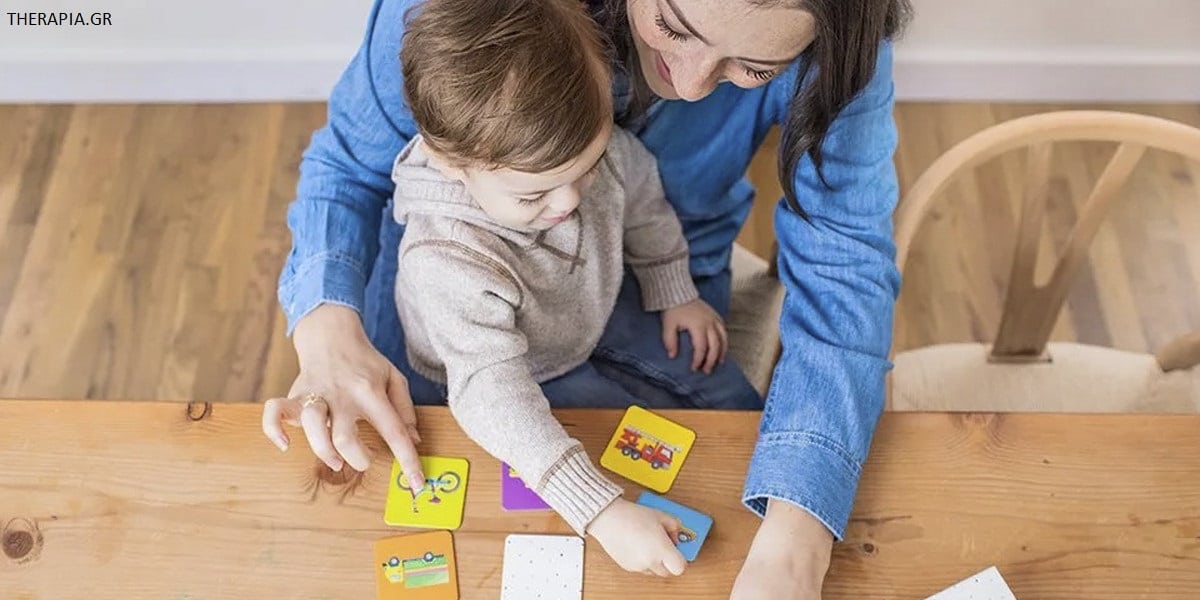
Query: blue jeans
point(629, 366)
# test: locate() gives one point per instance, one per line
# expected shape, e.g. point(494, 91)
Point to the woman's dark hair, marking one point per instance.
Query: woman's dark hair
point(843, 54)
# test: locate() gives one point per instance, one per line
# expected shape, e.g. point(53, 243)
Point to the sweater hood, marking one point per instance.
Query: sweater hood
point(422, 190)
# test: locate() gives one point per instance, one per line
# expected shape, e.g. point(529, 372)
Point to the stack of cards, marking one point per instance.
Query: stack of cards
point(416, 567)
point(696, 524)
point(542, 567)
point(439, 505)
point(648, 449)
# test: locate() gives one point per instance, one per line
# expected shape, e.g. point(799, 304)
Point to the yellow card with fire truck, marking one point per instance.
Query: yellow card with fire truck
point(648, 449)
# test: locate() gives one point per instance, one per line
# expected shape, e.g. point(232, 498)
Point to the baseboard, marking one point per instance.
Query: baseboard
point(309, 75)
point(278, 76)
point(1014, 78)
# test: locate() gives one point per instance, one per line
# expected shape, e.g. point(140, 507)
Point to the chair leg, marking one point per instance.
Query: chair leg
point(1181, 354)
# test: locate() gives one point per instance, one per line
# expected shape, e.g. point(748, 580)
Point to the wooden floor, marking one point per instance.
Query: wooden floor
point(140, 245)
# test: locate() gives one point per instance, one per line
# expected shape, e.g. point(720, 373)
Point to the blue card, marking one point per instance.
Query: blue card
point(695, 524)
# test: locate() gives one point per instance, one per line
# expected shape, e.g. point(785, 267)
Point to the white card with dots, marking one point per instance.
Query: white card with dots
point(542, 567)
point(985, 585)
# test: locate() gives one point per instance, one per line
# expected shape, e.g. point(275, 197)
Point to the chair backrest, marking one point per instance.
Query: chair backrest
point(1030, 310)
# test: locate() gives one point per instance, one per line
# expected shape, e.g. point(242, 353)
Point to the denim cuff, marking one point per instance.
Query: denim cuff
point(324, 278)
point(805, 469)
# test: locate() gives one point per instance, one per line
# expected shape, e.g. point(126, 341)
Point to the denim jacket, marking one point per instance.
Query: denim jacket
point(837, 266)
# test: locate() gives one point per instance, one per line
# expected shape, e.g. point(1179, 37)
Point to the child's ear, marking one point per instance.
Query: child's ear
point(444, 166)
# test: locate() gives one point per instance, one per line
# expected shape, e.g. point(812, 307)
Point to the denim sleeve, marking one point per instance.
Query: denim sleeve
point(345, 175)
point(841, 283)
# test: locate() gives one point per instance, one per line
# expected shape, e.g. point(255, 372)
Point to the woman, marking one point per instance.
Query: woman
point(700, 82)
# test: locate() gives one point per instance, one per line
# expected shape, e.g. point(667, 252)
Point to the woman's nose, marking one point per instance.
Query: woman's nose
point(696, 79)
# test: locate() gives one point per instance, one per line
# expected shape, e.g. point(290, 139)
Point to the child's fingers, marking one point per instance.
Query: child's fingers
point(714, 350)
point(670, 338)
point(724, 340)
point(272, 423)
point(699, 347)
point(675, 564)
point(672, 561)
point(672, 525)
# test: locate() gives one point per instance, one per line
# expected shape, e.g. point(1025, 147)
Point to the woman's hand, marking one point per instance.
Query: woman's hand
point(709, 340)
point(343, 379)
point(788, 558)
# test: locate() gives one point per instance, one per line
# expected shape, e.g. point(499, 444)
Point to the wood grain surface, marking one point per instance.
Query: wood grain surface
point(137, 500)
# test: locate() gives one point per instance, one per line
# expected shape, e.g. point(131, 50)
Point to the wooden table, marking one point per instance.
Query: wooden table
point(138, 500)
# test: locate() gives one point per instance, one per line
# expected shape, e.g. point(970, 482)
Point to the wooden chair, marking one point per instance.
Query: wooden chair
point(1021, 370)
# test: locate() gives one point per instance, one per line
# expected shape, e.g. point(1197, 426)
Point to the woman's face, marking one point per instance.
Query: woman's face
point(687, 47)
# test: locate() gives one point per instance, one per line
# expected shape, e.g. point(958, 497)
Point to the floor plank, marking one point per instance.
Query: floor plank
point(140, 244)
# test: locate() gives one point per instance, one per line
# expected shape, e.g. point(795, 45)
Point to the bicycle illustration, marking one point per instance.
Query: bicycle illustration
point(446, 483)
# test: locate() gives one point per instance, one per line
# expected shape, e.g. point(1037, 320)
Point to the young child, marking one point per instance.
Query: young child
point(522, 205)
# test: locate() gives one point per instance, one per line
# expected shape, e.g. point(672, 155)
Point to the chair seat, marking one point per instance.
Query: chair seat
point(1078, 378)
point(753, 323)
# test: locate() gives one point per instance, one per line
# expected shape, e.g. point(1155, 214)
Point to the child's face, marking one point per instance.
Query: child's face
point(524, 200)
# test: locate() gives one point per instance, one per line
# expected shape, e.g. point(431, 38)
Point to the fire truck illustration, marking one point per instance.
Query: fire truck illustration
point(638, 445)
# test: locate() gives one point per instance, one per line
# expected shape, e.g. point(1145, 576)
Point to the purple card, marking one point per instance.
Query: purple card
point(513, 493)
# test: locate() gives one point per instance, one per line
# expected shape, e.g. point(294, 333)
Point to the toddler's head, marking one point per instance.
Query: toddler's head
point(513, 98)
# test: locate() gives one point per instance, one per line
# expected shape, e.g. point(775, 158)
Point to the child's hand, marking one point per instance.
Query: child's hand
point(638, 538)
point(709, 340)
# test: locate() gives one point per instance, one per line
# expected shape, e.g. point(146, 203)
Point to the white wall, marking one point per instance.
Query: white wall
point(202, 50)
point(228, 50)
point(1089, 50)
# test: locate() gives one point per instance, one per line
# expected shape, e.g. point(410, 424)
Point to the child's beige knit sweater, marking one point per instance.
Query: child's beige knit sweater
point(492, 311)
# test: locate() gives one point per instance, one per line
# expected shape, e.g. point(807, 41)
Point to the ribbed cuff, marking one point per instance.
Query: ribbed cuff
point(576, 490)
point(666, 285)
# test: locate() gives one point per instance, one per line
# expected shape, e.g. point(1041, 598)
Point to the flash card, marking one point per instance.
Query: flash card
point(542, 567)
point(696, 524)
point(515, 495)
point(439, 505)
point(985, 585)
point(648, 449)
point(416, 567)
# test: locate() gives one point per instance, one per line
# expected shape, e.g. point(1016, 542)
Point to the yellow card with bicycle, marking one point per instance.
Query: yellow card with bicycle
point(439, 505)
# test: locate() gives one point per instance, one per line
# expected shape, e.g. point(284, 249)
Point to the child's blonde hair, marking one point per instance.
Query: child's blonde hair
point(520, 84)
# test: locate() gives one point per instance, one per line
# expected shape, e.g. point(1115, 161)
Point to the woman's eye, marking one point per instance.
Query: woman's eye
point(758, 75)
point(666, 29)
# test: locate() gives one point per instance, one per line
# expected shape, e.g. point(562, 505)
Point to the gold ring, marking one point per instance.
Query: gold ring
point(311, 398)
